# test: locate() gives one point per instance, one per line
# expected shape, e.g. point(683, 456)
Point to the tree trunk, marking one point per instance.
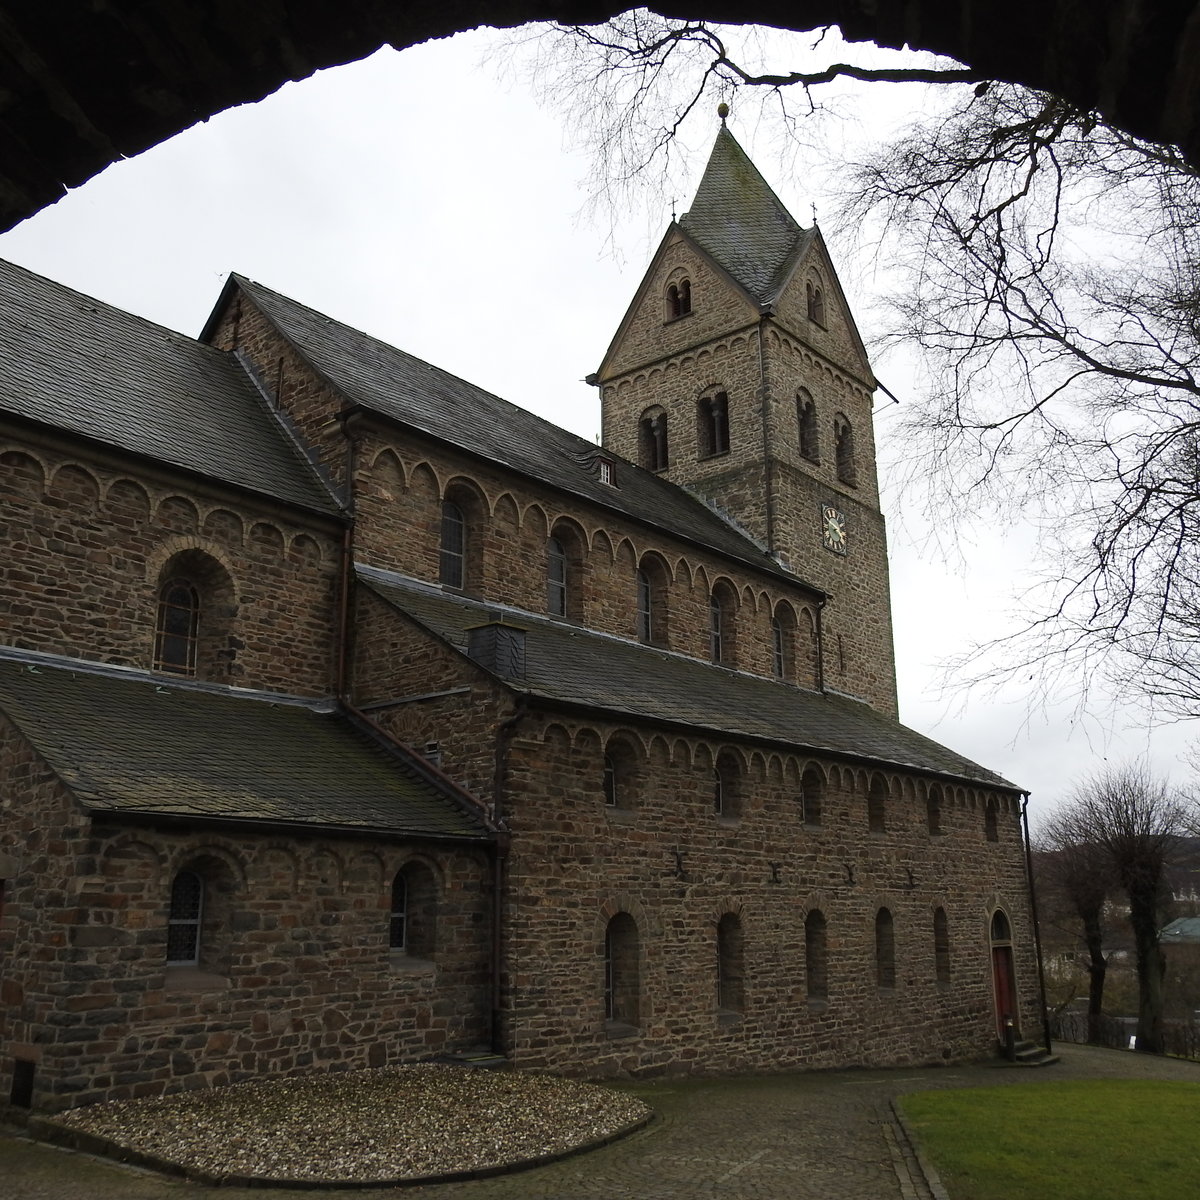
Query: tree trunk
point(1097, 969)
point(1143, 916)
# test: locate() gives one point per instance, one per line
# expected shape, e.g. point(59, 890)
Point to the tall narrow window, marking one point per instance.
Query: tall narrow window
point(651, 597)
point(452, 569)
point(722, 624)
point(991, 828)
point(178, 629)
point(877, 806)
point(653, 451)
point(941, 948)
point(184, 919)
point(622, 985)
point(716, 629)
point(806, 416)
point(816, 957)
point(885, 950)
point(933, 809)
point(812, 788)
point(398, 929)
point(730, 966)
point(783, 641)
point(712, 425)
point(645, 607)
point(612, 793)
point(727, 785)
point(556, 577)
point(685, 297)
point(843, 436)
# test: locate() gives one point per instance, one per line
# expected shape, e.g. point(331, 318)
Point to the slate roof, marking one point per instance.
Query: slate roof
point(381, 379)
point(573, 665)
point(1182, 931)
point(124, 741)
point(80, 365)
point(738, 220)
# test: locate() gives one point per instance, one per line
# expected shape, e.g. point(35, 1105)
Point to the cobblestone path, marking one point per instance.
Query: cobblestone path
point(830, 1135)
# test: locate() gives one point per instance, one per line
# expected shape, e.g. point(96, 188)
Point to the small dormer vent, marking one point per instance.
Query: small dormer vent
point(499, 648)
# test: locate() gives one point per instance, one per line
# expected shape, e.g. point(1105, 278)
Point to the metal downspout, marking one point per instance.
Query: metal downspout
point(1033, 909)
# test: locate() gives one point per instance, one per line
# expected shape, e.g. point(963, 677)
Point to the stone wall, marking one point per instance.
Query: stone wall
point(666, 858)
point(295, 970)
point(89, 542)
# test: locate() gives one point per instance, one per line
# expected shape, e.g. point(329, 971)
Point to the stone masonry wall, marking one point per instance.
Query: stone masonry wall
point(86, 544)
point(399, 490)
point(677, 868)
point(295, 972)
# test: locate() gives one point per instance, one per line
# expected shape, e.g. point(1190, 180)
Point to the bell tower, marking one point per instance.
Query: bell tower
point(738, 373)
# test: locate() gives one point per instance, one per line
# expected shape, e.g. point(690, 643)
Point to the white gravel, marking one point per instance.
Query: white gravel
point(365, 1126)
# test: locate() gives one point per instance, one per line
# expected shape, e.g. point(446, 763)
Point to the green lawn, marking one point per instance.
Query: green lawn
point(1108, 1139)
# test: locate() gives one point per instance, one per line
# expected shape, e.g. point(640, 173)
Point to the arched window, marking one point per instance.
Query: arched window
point(877, 806)
point(622, 982)
point(815, 297)
point(193, 626)
point(452, 568)
point(843, 437)
point(412, 923)
point(812, 790)
point(178, 629)
point(941, 948)
point(806, 417)
point(712, 425)
point(991, 826)
point(722, 624)
point(185, 920)
point(651, 588)
point(1001, 930)
point(933, 809)
point(556, 578)
point(564, 571)
point(653, 452)
point(620, 775)
point(885, 950)
point(679, 300)
point(727, 785)
point(783, 641)
point(398, 931)
point(730, 965)
point(816, 963)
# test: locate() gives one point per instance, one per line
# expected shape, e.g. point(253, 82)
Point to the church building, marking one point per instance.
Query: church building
point(351, 715)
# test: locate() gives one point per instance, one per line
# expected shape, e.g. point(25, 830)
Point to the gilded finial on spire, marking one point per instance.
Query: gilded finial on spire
point(722, 111)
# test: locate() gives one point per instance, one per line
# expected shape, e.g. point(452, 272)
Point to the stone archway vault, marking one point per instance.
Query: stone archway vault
point(82, 85)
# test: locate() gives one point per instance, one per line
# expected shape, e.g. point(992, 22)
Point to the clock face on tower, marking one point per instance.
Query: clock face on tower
point(833, 529)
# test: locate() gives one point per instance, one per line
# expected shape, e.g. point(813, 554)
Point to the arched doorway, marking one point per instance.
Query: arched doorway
point(1004, 982)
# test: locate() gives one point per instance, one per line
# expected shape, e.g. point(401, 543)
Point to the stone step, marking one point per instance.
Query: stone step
point(479, 1057)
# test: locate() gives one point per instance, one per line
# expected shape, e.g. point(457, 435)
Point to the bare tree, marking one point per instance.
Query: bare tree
point(1049, 270)
point(1135, 822)
point(1075, 882)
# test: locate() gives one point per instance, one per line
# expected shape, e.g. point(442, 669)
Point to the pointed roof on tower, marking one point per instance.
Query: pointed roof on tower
point(742, 224)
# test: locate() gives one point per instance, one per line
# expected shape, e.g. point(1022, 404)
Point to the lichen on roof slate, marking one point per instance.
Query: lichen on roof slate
point(79, 365)
point(569, 664)
point(130, 742)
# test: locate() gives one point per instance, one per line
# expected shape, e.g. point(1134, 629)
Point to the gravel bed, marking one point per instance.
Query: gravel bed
point(365, 1126)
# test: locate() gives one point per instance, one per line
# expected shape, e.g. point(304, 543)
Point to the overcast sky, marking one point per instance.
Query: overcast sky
point(416, 196)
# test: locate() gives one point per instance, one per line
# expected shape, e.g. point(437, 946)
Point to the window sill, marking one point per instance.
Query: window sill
point(728, 1016)
point(619, 1029)
point(714, 454)
point(402, 963)
point(681, 317)
point(727, 822)
point(813, 826)
point(818, 1006)
point(619, 816)
point(194, 979)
